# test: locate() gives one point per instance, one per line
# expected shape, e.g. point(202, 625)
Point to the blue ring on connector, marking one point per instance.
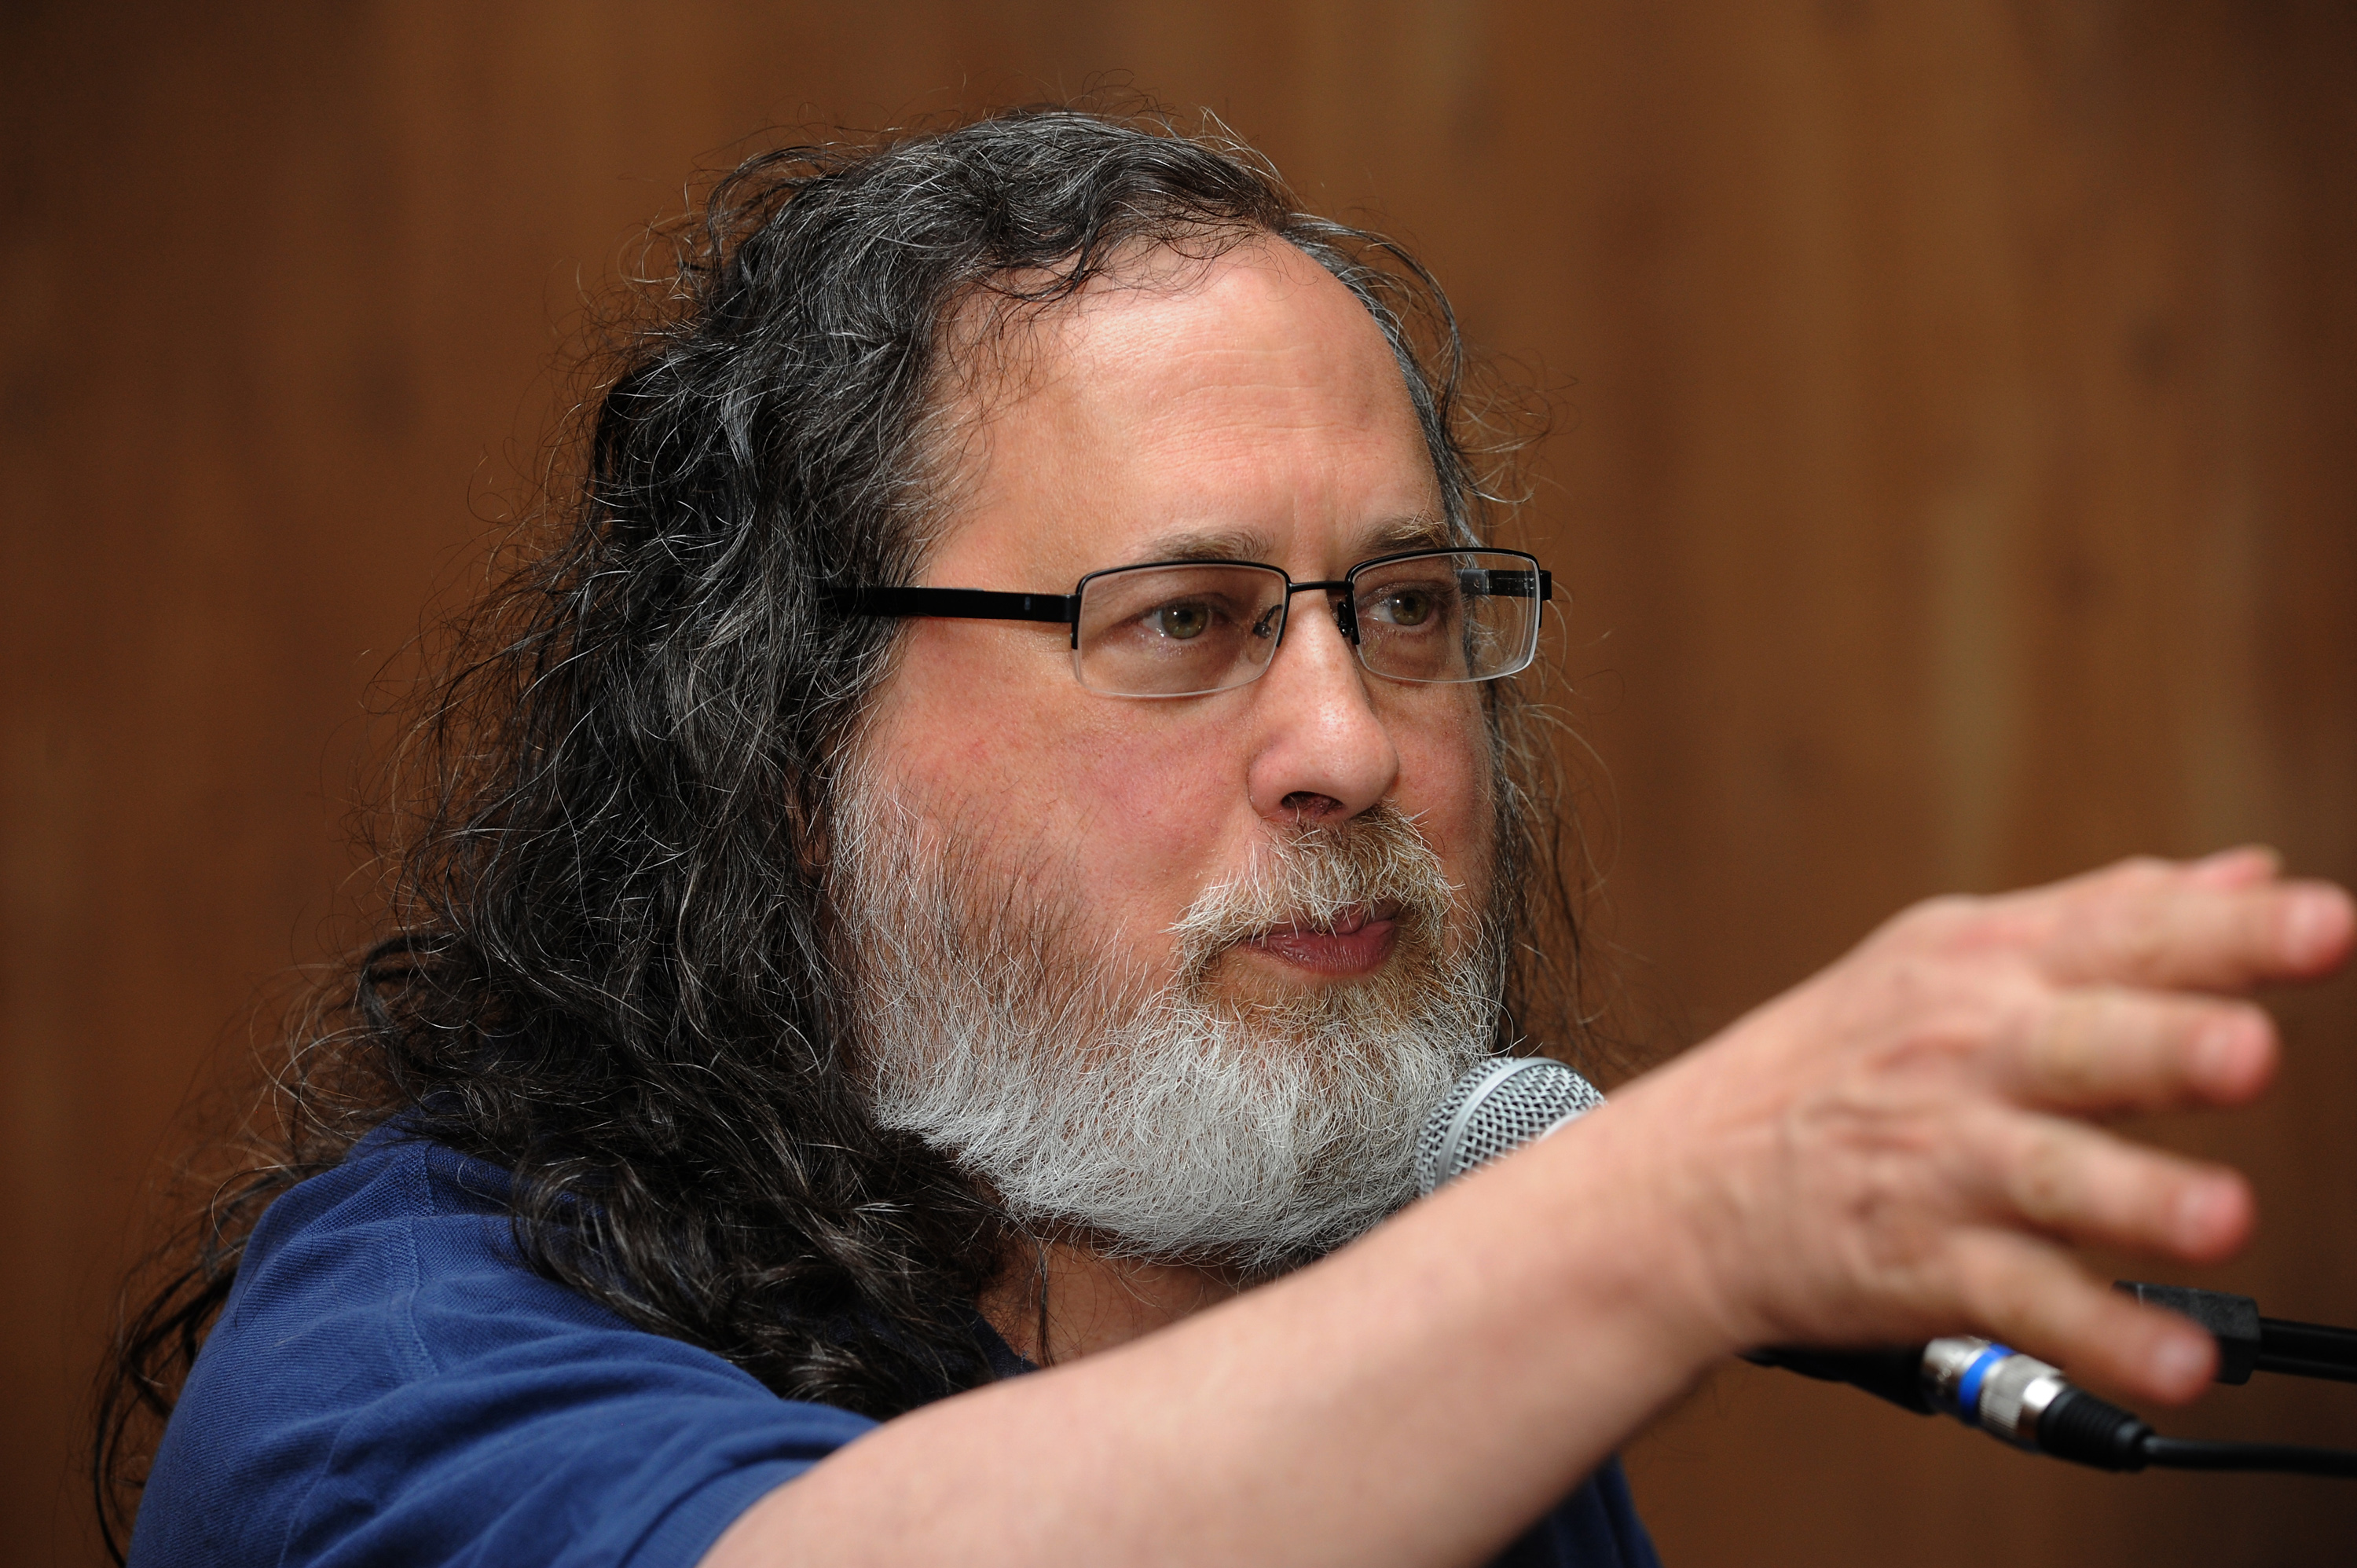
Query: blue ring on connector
point(1968, 1387)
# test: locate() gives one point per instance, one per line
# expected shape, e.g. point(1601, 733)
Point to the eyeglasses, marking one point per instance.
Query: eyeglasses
point(1184, 628)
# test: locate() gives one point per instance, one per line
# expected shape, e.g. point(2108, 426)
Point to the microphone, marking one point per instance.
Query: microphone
point(1508, 1101)
point(1496, 1107)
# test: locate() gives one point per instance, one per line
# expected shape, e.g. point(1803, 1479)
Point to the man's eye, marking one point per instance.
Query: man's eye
point(1182, 622)
point(1407, 607)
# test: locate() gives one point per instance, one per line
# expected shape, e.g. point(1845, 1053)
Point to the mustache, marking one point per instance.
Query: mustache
point(1314, 878)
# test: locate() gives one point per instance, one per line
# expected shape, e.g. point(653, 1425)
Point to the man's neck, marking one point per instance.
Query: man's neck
point(1094, 1302)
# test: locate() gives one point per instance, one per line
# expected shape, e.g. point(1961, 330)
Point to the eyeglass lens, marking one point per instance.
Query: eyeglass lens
point(1183, 630)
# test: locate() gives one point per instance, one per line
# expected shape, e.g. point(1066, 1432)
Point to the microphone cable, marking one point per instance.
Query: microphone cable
point(2283, 1458)
point(2022, 1400)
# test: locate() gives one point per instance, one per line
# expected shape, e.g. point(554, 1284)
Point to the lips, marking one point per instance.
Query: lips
point(1356, 941)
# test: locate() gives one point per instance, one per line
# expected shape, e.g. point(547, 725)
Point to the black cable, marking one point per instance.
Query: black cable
point(2188, 1454)
point(2083, 1429)
point(2249, 1343)
point(2307, 1350)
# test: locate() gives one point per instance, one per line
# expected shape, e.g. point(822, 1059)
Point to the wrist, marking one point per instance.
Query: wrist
point(1576, 1252)
point(1674, 1243)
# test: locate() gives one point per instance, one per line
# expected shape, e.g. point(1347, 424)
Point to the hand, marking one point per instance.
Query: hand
point(1899, 1148)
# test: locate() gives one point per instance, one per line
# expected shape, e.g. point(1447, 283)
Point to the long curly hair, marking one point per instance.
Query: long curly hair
point(608, 970)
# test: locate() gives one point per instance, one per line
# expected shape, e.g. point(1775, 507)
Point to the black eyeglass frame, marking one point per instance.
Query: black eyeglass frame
point(989, 604)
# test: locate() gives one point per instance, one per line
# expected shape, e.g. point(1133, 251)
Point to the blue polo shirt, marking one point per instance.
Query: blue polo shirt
point(390, 1386)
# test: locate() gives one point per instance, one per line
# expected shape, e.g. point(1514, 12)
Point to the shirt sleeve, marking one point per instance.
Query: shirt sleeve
point(390, 1385)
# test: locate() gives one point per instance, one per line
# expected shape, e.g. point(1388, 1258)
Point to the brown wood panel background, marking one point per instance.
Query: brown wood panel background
point(1954, 478)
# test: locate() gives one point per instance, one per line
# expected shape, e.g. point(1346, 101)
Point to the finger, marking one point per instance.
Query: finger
point(2086, 1186)
point(2027, 1295)
point(2101, 1049)
point(2240, 867)
point(2138, 927)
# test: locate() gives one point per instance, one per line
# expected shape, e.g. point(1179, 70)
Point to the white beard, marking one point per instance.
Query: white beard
point(1158, 1120)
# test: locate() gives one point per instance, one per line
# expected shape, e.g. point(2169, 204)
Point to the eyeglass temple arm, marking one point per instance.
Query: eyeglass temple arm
point(960, 604)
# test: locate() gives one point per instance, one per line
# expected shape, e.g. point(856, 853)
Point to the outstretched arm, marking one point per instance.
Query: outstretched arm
point(1902, 1147)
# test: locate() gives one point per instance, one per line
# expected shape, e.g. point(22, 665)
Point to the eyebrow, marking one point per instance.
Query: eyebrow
point(1212, 544)
point(1414, 533)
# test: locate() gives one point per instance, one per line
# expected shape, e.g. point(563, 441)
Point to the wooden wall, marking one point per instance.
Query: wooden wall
point(1955, 478)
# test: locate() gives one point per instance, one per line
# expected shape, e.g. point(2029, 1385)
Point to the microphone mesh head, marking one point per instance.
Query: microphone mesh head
point(1495, 1108)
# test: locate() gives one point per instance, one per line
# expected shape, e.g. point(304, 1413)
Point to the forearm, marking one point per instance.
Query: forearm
point(1419, 1398)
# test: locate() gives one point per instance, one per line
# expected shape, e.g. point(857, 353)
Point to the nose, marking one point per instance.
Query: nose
point(1320, 752)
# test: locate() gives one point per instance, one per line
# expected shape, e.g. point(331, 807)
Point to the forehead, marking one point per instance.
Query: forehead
point(1244, 405)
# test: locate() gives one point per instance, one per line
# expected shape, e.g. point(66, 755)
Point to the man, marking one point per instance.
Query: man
point(978, 852)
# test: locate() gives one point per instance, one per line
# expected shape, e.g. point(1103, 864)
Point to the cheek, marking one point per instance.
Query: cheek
point(1445, 783)
point(1161, 815)
point(1061, 791)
